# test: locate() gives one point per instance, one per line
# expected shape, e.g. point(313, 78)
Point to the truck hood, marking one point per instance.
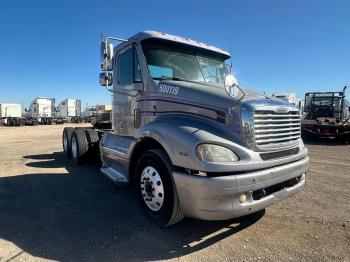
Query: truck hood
point(208, 94)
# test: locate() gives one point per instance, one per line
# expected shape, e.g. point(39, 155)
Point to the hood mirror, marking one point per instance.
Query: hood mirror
point(232, 88)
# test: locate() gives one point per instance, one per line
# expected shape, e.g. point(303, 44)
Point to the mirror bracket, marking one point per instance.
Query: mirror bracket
point(107, 54)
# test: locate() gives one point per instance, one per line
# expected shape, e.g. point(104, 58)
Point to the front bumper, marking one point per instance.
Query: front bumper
point(217, 198)
point(326, 130)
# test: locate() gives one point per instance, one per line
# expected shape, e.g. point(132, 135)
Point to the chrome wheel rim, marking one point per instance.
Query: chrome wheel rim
point(74, 148)
point(65, 143)
point(152, 189)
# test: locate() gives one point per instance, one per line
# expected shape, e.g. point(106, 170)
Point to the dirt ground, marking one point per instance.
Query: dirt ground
point(52, 209)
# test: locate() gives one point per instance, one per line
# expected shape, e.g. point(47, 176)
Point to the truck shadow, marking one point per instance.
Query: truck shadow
point(81, 215)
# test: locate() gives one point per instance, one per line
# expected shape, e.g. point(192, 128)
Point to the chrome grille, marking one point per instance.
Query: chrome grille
point(276, 130)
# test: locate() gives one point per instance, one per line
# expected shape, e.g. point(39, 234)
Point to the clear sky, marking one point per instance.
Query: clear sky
point(51, 48)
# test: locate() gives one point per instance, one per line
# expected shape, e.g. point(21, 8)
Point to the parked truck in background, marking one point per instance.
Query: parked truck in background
point(103, 117)
point(100, 116)
point(11, 115)
point(88, 113)
point(42, 110)
point(70, 110)
point(288, 97)
point(187, 136)
point(326, 114)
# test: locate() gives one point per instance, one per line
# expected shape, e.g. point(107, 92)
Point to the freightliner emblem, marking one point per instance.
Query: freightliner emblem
point(282, 109)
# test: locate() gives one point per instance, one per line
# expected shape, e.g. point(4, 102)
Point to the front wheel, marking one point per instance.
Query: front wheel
point(156, 189)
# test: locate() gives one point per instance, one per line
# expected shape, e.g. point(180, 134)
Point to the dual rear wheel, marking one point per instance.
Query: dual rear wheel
point(79, 143)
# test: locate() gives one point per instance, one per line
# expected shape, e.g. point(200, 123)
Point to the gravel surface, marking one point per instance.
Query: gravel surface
point(52, 209)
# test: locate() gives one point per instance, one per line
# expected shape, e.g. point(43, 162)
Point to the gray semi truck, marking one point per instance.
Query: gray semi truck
point(187, 136)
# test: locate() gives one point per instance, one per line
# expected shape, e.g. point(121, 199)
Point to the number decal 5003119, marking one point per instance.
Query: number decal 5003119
point(168, 89)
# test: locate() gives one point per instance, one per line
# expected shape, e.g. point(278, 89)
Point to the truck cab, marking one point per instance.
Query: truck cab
point(189, 138)
point(70, 110)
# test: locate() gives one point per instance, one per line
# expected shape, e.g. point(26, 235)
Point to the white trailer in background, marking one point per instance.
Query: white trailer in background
point(42, 110)
point(11, 114)
point(70, 110)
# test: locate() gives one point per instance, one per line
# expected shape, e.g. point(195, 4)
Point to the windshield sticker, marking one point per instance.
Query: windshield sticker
point(168, 89)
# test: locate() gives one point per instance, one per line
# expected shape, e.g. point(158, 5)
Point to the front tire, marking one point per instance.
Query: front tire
point(155, 188)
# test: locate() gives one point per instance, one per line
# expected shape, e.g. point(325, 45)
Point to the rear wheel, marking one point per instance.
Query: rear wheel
point(35, 122)
point(66, 140)
point(93, 140)
point(91, 136)
point(22, 122)
point(155, 188)
point(15, 122)
point(79, 145)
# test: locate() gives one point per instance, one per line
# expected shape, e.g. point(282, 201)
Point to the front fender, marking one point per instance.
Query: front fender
point(179, 135)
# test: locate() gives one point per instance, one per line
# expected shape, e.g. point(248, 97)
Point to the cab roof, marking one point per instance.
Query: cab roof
point(184, 40)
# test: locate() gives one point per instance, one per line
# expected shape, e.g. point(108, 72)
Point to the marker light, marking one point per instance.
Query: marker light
point(242, 198)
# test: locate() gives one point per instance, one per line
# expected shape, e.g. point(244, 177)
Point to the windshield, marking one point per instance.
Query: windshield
point(166, 60)
point(326, 102)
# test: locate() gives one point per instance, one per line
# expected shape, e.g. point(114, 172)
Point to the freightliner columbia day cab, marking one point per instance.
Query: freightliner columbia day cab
point(192, 141)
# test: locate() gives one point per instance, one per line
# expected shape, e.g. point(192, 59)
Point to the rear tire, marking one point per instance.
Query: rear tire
point(35, 122)
point(10, 122)
point(91, 136)
point(156, 189)
point(15, 122)
point(80, 146)
point(66, 141)
point(22, 122)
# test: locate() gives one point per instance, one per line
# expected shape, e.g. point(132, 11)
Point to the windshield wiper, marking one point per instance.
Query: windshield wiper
point(175, 78)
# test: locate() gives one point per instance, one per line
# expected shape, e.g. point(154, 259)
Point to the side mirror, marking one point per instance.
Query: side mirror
point(106, 79)
point(106, 56)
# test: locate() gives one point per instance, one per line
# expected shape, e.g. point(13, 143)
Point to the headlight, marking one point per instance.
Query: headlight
point(214, 153)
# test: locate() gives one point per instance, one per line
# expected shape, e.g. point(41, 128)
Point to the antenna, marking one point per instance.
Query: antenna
point(230, 50)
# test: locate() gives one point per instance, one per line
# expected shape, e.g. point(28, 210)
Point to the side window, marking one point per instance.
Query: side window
point(125, 67)
point(137, 67)
point(129, 70)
